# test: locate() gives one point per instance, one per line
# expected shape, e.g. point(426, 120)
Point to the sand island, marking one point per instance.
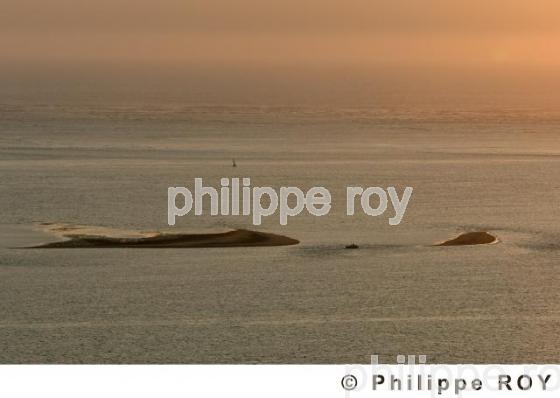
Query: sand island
point(235, 238)
point(471, 238)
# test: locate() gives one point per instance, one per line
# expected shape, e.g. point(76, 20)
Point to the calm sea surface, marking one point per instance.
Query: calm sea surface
point(316, 302)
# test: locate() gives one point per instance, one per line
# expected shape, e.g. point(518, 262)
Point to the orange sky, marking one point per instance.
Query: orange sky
point(313, 35)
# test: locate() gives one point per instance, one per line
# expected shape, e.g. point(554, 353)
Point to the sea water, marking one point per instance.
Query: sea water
point(494, 170)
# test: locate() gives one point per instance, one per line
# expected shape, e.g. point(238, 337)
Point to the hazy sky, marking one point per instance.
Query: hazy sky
point(228, 44)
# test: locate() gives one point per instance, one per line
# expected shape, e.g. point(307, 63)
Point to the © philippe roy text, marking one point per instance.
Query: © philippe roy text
point(236, 197)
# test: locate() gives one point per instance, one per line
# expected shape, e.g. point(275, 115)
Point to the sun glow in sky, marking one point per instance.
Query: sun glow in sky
point(276, 40)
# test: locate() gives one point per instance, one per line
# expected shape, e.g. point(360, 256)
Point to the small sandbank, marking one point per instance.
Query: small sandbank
point(471, 238)
point(236, 238)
